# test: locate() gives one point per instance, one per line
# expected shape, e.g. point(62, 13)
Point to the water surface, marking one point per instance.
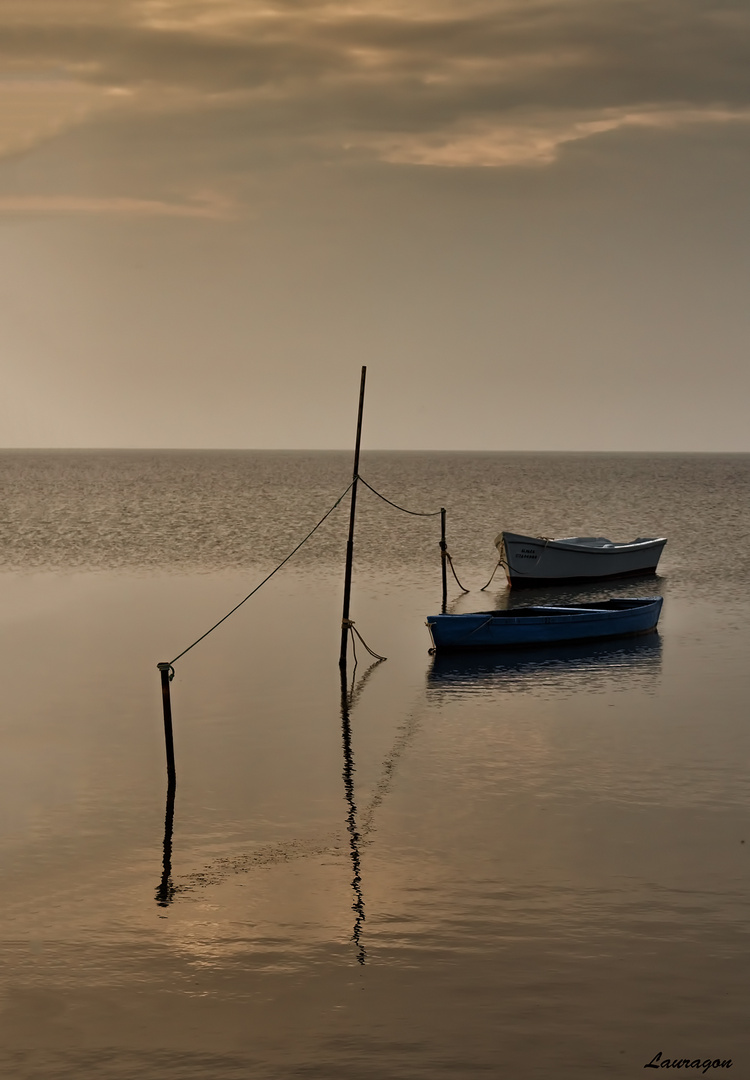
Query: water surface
point(529, 866)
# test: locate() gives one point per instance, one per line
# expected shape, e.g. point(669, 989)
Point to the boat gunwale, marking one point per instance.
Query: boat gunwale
point(565, 544)
point(555, 613)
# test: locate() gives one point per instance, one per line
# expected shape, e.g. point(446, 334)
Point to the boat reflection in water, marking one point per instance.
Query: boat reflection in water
point(613, 664)
point(577, 593)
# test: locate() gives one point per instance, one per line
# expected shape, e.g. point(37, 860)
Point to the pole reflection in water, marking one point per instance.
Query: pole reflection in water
point(348, 699)
point(166, 890)
point(358, 907)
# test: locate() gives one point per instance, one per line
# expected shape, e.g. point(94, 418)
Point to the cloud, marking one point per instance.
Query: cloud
point(424, 82)
point(38, 106)
point(533, 140)
point(207, 207)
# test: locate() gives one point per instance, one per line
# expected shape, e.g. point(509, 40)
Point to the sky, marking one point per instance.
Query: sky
point(528, 218)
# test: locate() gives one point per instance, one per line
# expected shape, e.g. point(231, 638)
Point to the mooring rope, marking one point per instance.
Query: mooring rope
point(419, 513)
point(453, 571)
point(265, 579)
point(349, 624)
point(415, 513)
point(501, 562)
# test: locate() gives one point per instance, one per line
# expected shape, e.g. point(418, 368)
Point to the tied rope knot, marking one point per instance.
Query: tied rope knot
point(347, 624)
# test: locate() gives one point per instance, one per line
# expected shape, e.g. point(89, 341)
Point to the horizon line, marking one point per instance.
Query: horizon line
point(336, 450)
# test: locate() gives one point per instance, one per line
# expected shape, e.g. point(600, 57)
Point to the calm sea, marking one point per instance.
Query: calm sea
point(532, 868)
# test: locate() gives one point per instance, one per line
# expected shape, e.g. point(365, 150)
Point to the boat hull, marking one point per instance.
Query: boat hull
point(545, 625)
point(532, 561)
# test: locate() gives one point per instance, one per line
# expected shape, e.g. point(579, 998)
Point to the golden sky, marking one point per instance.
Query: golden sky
point(529, 219)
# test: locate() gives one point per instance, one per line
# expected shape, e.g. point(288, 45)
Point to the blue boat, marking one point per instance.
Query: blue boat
point(546, 624)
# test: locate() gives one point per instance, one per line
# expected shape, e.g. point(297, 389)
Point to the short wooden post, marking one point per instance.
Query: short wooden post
point(167, 674)
point(444, 557)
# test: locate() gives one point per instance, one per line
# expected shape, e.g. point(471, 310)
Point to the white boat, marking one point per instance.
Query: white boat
point(542, 560)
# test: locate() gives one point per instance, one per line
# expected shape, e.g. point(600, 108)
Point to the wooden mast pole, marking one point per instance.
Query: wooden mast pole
point(350, 542)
